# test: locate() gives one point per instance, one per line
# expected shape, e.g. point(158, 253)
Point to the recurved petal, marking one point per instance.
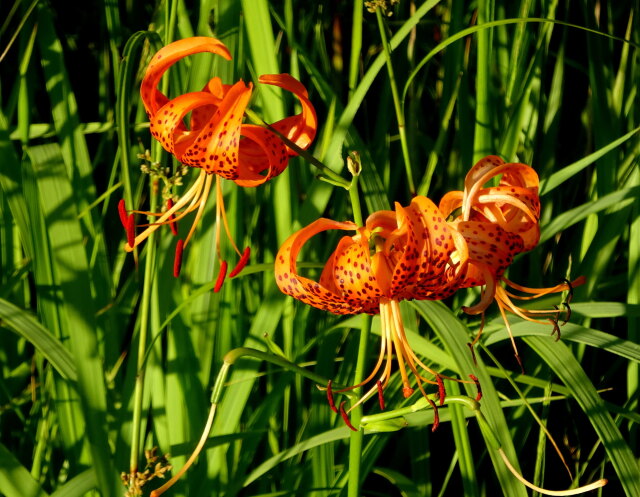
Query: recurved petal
point(450, 202)
point(214, 146)
point(167, 125)
point(301, 128)
point(262, 156)
point(305, 289)
point(152, 98)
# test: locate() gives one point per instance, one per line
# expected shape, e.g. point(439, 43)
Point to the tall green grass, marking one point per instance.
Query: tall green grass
point(104, 355)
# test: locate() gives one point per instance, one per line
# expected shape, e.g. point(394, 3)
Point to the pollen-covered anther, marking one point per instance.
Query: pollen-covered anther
point(345, 416)
point(244, 259)
point(478, 387)
point(131, 230)
point(441, 391)
point(332, 404)
point(177, 261)
point(221, 276)
point(172, 223)
point(380, 394)
point(407, 392)
point(122, 211)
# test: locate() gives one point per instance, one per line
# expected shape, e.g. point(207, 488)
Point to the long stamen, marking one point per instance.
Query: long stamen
point(201, 205)
point(400, 356)
point(220, 202)
point(192, 193)
point(513, 341)
point(558, 493)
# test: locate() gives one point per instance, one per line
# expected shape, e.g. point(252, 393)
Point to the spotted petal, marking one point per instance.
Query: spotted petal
point(301, 128)
point(305, 289)
point(152, 98)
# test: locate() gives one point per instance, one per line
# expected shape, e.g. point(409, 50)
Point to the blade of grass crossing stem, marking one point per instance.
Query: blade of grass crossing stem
point(456, 336)
point(549, 183)
point(407, 487)
point(25, 325)
point(77, 486)
point(460, 427)
point(633, 298)
point(11, 185)
point(73, 146)
point(242, 379)
point(564, 364)
point(64, 395)
point(618, 199)
point(15, 480)
point(72, 275)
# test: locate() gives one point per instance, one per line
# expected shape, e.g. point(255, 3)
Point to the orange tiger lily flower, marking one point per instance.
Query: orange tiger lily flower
point(415, 255)
point(216, 140)
point(499, 222)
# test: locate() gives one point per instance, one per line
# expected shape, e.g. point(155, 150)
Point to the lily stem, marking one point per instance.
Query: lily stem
point(355, 201)
point(138, 396)
point(402, 130)
point(355, 438)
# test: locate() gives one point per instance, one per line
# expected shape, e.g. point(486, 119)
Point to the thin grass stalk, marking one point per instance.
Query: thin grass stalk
point(356, 45)
point(482, 144)
point(386, 49)
point(145, 305)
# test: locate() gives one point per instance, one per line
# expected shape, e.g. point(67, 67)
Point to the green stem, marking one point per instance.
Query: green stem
point(386, 48)
point(334, 177)
point(356, 45)
point(233, 355)
point(355, 438)
point(482, 135)
point(355, 201)
point(138, 396)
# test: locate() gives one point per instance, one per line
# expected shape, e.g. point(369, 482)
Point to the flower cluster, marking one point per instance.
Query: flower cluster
point(416, 253)
point(216, 141)
point(422, 251)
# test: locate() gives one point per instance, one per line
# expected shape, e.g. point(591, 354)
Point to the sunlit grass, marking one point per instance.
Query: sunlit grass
point(556, 90)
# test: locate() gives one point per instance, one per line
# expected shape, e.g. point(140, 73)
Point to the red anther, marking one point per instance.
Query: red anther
point(122, 211)
point(436, 416)
point(332, 404)
point(131, 230)
point(177, 261)
point(241, 263)
point(221, 275)
point(406, 392)
point(380, 395)
point(441, 391)
point(172, 224)
point(478, 387)
point(345, 416)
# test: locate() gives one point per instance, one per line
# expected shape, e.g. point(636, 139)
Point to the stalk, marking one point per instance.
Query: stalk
point(355, 438)
point(138, 396)
point(386, 49)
